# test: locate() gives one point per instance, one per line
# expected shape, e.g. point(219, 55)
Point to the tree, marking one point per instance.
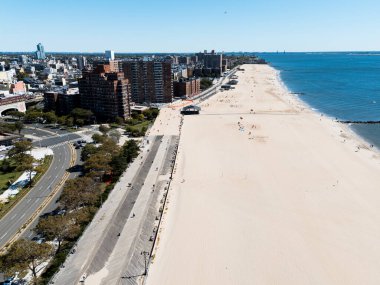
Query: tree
point(205, 83)
point(151, 113)
point(26, 164)
point(115, 135)
point(87, 151)
point(50, 117)
point(109, 147)
point(25, 254)
point(61, 120)
point(19, 126)
point(16, 114)
point(130, 150)
point(104, 129)
point(83, 215)
point(20, 147)
point(24, 160)
point(32, 116)
point(97, 138)
point(21, 76)
point(5, 165)
point(119, 120)
point(58, 228)
point(69, 121)
point(81, 191)
point(80, 122)
point(83, 114)
point(138, 117)
point(98, 164)
point(119, 163)
point(7, 128)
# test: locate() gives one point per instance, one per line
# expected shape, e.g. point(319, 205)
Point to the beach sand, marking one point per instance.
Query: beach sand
point(267, 191)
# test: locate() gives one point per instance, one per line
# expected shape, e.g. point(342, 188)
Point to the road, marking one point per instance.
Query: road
point(20, 214)
point(213, 89)
point(111, 246)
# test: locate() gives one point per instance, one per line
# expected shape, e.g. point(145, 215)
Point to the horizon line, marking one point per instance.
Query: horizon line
point(193, 52)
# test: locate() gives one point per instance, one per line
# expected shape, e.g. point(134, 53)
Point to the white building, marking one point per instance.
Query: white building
point(110, 54)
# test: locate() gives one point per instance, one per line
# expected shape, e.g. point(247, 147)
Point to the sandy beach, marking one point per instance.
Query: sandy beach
point(267, 191)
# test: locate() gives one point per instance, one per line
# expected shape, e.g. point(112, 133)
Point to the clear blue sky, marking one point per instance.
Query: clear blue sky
point(187, 26)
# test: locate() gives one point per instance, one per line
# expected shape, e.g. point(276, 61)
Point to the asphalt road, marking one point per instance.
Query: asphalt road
point(16, 218)
point(213, 89)
point(123, 212)
point(100, 239)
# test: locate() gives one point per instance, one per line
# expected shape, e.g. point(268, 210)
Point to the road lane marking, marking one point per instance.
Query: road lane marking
point(58, 185)
point(3, 235)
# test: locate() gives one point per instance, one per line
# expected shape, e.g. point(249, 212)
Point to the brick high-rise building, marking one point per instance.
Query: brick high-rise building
point(151, 81)
point(105, 93)
point(211, 60)
point(184, 60)
point(189, 87)
point(114, 65)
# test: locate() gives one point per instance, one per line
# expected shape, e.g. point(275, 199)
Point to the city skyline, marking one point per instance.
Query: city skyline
point(170, 26)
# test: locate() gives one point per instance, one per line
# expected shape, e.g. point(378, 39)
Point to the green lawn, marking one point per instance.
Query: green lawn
point(142, 124)
point(5, 177)
point(138, 129)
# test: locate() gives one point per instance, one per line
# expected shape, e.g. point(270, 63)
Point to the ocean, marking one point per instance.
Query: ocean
point(344, 85)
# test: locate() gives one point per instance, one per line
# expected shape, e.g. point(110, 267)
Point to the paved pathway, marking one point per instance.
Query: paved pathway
point(100, 245)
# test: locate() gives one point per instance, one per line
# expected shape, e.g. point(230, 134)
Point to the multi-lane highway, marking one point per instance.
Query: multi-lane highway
point(38, 195)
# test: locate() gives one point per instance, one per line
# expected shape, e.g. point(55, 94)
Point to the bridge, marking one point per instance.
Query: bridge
point(13, 103)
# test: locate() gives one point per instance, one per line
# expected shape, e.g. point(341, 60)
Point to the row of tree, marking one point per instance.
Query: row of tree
point(77, 116)
point(79, 201)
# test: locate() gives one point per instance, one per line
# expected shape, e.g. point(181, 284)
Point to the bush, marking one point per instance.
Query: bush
point(205, 83)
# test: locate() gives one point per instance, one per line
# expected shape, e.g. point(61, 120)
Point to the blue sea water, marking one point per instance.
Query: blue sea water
point(343, 85)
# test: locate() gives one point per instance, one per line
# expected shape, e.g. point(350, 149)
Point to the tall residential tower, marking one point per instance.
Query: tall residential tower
point(105, 93)
point(40, 53)
point(151, 81)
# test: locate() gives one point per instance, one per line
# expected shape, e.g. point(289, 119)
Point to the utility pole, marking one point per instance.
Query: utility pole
point(146, 255)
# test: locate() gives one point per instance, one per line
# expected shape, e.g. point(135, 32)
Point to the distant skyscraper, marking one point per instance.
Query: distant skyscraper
point(110, 54)
point(24, 59)
point(82, 62)
point(40, 53)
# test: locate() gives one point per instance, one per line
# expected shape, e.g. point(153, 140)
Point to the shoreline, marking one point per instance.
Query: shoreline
point(270, 195)
point(360, 139)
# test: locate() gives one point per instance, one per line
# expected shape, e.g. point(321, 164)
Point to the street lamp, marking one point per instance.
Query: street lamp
point(146, 255)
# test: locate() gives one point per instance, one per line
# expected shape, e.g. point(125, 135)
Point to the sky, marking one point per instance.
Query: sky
point(190, 26)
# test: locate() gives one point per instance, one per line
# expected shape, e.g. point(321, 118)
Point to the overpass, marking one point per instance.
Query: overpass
point(13, 103)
